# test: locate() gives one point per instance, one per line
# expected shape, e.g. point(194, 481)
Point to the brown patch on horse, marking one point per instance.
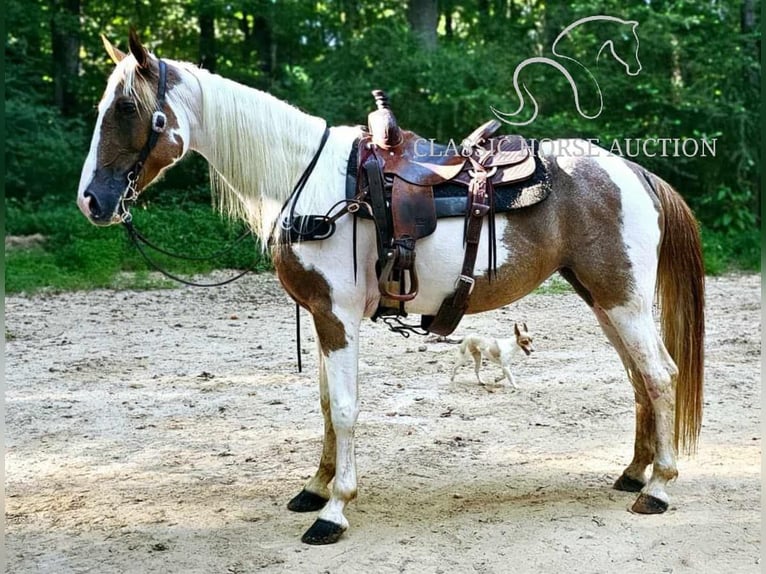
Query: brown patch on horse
point(533, 257)
point(549, 235)
point(311, 291)
point(579, 288)
point(124, 132)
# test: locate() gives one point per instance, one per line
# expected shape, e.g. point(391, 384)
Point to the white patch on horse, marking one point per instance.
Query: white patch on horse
point(641, 240)
point(440, 259)
point(568, 153)
point(91, 162)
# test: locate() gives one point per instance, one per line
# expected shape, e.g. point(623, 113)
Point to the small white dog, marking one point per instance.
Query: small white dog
point(498, 351)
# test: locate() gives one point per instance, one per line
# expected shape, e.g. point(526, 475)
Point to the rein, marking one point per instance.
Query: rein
point(137, 239)
point(158, 125)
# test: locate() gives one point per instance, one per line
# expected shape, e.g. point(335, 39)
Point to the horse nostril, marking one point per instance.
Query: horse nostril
point(84, 204)
point(92, 205)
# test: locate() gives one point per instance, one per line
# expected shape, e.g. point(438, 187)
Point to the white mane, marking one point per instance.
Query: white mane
point(256, 145)
point(259, 145)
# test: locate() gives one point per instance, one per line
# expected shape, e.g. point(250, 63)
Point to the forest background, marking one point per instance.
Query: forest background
point(443, 64)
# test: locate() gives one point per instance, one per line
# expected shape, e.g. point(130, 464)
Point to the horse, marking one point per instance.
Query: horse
point(617, 233)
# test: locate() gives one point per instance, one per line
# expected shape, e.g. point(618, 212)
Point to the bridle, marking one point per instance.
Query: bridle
point(158, 124)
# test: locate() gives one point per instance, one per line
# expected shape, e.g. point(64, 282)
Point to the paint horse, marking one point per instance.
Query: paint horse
point(619, 234)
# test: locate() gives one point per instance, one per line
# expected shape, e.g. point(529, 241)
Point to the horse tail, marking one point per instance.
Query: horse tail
point(681, 292)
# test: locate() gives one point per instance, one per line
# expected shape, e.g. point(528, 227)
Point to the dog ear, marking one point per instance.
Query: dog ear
point(516, 329)
point(525, 327)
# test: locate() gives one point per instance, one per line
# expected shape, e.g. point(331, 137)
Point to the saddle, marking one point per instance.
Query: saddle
point(398, 173)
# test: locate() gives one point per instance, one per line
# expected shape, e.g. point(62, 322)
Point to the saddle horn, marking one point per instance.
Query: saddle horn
point(384, 130)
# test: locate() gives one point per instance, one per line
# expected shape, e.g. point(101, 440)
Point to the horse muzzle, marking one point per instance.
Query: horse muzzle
point(101, 200)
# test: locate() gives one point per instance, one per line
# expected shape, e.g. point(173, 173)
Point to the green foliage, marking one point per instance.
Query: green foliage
point(78, 255)
point(700, 78)
point(726, 252)
point(737, 215)
point(556, 285)
point(44, 151)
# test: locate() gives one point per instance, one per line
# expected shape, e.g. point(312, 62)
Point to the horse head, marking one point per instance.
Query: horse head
point(141, 130)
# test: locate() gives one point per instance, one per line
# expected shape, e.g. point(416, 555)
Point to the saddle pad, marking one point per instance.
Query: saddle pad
point(450, 199)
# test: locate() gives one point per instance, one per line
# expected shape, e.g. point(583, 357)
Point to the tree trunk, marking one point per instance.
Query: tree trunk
point(752, 78)
point(207, 51)
point(65, 43)
point(748, 26)
point(447, 9)
point(423, 17)
point(352, 18)
point(263, 40)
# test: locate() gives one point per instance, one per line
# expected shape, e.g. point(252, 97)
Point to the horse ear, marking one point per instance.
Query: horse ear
point(114, 53)
point(516, 329)
point(138, 50)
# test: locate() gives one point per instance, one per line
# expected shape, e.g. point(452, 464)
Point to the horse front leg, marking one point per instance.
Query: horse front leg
point(315, 493)
point(339, 348)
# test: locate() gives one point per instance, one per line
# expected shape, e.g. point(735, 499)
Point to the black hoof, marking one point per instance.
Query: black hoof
point(306, 501)
point(647, 504)
point(628, 484)
point(322, 532)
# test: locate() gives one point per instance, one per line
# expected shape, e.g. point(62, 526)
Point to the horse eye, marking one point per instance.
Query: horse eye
point(126, 107)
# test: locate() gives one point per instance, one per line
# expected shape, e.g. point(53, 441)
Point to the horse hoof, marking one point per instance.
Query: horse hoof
point(628, 484)
point(306, 501)
point(648, 504)
point(322, 532)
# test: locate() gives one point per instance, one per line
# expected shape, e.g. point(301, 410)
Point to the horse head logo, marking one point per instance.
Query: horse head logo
point(622, 46)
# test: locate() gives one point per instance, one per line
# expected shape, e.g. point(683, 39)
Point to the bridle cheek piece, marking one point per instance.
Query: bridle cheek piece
point(158, 124)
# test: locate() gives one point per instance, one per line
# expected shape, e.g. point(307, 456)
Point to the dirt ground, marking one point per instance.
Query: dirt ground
point(164, 431)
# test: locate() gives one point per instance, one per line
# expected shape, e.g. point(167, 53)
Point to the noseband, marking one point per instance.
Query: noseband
point(158, 125)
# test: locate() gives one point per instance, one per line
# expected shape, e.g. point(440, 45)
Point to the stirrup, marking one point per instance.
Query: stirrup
point(392, 255)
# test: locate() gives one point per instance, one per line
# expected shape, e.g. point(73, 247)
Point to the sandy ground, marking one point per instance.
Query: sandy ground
point(164, 431)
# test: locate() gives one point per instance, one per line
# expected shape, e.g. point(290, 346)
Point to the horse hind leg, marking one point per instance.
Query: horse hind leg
point(315, 493)
point(635, 327)
point(633, 478)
